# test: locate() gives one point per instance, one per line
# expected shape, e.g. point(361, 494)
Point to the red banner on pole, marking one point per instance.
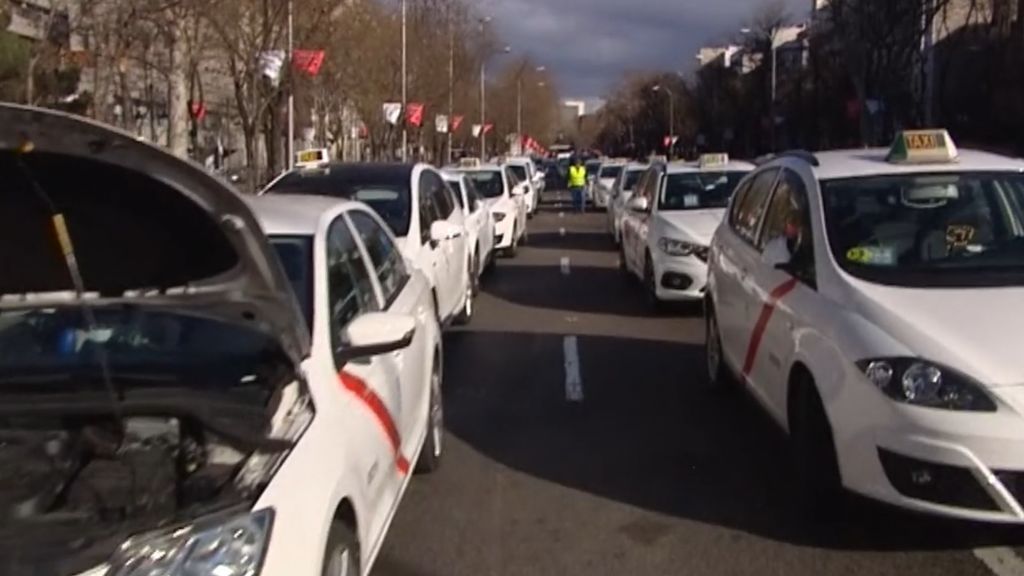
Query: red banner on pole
point(197, 109)
point(414, 114)
point(308, 61)
point(488, 128)
point(456, 122)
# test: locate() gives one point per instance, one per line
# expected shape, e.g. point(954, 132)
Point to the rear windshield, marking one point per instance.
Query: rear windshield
point(926, 230)
point(611, 171)
point(488, 182)
point(386, 190)
point(519, 171)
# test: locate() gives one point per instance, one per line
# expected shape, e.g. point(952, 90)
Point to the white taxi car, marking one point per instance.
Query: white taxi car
point(622, 191)
point(183, 403)
point(604, 181)
point(479, 222)
point(669, 223)
point(505, 198)
point(522, 168)
point(421, 210)
point(867, 299)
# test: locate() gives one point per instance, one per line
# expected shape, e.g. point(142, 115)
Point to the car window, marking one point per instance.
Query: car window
point(698, 190)
point(488, 183)
point(631, 179)
point(386, 258)
point(746, 213)
point(349, 284)
point(513, 181)
point(296, 256)
point(441, 197)
point(520, 172)
point(428, 213)
point(471, 195)
point(610, 171)
point(787, 222)
point(457, 190)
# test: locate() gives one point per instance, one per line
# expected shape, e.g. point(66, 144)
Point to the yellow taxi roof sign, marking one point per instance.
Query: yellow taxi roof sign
point(312, 157)
point(469, 162)
point(922, 147)
point(713, 160)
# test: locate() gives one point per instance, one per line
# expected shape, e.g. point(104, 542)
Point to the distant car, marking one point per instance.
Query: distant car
point(207, 402)
point(622, 191)
point(669, 223)
point(524, 171)
point(592, 167)
point(870, 301)
point(479, 222)
point(420, 209)
point(604, 180)
point(504, 196)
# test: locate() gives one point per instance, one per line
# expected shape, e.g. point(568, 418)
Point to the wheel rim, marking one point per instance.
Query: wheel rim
point(468, 307)
point(714, 351)
point(436, 413)
point(340, 563)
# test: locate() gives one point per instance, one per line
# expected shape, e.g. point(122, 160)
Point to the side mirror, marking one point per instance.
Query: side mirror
point(375, 333)
point(638, 204)
point(519, 190)
point(442, 230)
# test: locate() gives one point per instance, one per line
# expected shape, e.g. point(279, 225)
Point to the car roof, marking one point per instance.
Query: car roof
point(294, 214)
point(694, 166)
point(872, 162)
point(481, 168)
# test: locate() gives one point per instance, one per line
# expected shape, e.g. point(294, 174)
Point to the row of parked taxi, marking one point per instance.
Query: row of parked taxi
point(200, 382)
point(865, 299)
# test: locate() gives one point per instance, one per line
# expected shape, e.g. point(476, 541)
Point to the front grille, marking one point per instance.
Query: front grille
point(937, 483)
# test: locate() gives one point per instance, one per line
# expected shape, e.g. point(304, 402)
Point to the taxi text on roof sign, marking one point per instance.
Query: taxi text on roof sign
point(469, 162)
point(713, 160)
point(312, 157)
point(922, 147)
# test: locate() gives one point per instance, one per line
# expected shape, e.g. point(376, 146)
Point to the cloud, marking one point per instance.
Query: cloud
point(589, 44)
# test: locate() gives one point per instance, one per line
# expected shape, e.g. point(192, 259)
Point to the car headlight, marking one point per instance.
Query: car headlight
point(499, 216)
point(220, 545)
point(922, 383)
point(677, 247)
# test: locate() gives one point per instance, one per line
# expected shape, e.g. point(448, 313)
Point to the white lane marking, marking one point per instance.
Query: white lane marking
point(561, 214)
point(561, 231)
point(565, 266)
point(1001, 560)
point(573, 380)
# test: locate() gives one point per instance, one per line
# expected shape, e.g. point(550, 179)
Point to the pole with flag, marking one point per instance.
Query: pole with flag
point(405, 130)
point(291, 90)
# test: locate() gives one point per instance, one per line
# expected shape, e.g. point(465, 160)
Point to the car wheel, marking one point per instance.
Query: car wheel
point(341, 557)
point(512, 250)
point(718, 373)
point(433, 447)
point(623, 267)
point(650, 286)
point(814, 452)
point(466, 314)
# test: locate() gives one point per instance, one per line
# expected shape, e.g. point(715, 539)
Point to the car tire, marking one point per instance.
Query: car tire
point(341, 555)
point(650, 287)
point(816, 466)
point(433, 446)
point(513, 249)
point(466, 314)
point(719, 375)
point(623, 267)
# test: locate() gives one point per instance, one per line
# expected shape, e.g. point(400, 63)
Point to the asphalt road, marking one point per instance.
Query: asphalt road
point(650, 473)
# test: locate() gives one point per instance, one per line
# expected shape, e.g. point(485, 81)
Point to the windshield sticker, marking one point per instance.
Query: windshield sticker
point(691, 201)
point(874, 255)
point(959, 235)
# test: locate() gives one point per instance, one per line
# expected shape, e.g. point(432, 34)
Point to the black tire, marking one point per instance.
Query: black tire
point(341, 555)
point(468, 306)
point(513, 250)
point(650, 286)
point(719, 375)
point(816, 467)
point(433, 447)
point(622, 260)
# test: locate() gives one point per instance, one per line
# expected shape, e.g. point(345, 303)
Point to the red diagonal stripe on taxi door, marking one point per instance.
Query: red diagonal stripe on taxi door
point(767, 309)
point(369, 398)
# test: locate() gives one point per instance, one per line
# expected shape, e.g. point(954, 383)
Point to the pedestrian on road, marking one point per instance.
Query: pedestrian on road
point(577, 181)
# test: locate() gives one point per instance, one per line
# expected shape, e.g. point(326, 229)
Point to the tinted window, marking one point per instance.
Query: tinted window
point(385, 256)
point(349, 285)
point(296, 256)
point(384, 187)
point(611, 171)
point(631, 179)
point(487, 182)
point(698, 190)
point(747, 210)
point(519, 171)
point(428, 214)
point(458, 190)
point(788, 223)
point(472, 195)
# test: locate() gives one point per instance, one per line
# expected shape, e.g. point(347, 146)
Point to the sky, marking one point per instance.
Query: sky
point(589, 44)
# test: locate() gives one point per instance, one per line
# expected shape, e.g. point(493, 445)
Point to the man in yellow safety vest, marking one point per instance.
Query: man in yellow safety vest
point(577, 181)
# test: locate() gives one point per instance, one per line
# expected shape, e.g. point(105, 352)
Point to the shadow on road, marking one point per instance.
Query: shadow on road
point(651, 433)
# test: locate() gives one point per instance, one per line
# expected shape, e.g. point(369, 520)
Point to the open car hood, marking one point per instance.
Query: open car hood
point(147, 229)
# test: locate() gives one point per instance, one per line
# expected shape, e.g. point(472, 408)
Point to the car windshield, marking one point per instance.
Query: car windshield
point(296, 256)
point(698, 190)
point(592, 168)
point(632, 177)
point(384, 188)
point(610, 171)
point(488, 182)
point(929, 230)
point(519, 170)
point(457, 191)
point(141, 347)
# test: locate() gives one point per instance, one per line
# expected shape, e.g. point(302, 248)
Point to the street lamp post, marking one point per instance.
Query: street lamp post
point(290, 148)
point(671, 117)
point(772, 38)
point(405, 83)
point(451, 84)
point(519, 99)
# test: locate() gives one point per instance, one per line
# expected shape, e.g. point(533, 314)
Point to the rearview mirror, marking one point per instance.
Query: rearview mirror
point(638, 204)
point(375, 333)
point(442, 230)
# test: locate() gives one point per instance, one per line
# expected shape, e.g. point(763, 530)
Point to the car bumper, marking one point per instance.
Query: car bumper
point(966, 465)
point(503, 233)
point(679, 278)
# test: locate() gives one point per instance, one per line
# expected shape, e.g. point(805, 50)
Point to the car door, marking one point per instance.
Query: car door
point(352, 292)
point(630, 224)
point(737, 252)
point(431, 257)
point(786, 298)
point(519, 199)
point(478, 220)
point(454, 248)
point(398, 295)
point(641, 222)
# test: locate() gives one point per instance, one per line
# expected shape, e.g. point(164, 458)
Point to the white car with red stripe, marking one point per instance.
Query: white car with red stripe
point(866, 298)
point(184, 396)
